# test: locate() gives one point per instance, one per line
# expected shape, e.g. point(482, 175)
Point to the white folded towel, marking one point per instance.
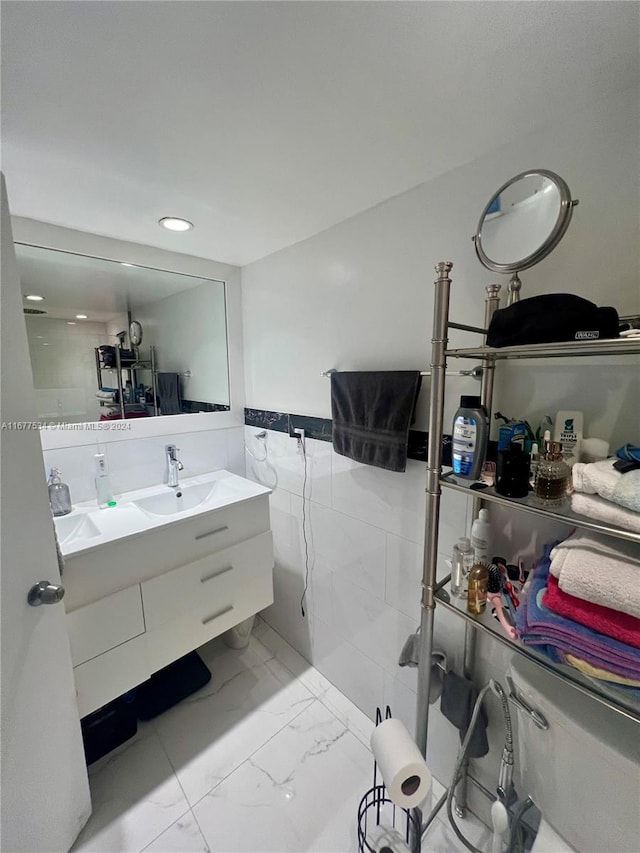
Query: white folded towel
point(596, 507)
point(597, 569)
point(601, 478)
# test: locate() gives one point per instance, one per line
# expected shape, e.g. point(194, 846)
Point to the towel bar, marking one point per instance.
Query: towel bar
point(475, 372)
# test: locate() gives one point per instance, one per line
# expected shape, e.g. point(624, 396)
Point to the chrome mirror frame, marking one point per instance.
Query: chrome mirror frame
point(562, 223)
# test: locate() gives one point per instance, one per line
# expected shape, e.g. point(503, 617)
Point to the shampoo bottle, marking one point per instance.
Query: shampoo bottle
point(104, 494)
point(481, 537)
point(59, 496)
point(470, 436)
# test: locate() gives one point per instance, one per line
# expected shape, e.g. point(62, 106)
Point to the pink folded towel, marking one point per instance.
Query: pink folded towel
point(609, 622)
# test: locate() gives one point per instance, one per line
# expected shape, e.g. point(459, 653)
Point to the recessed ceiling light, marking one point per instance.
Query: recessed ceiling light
point(173, 223)
point(71, 322)
point(45, 344)
point(35, 298)
point(81, 316)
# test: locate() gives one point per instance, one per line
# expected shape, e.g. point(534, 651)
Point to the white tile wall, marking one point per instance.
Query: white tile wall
point(364, 531)
point(140, 462)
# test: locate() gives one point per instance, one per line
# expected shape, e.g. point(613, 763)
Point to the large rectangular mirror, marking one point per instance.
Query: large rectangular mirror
point(112, 340)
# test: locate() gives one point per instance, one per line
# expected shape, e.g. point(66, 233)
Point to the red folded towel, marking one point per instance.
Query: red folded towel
point(611, 623)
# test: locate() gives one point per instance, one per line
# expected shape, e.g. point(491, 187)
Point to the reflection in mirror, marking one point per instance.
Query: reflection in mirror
point(523, 221)
point(522, 218)
point(85, 365)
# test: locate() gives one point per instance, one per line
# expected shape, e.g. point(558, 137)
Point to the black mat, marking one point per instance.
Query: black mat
point(108, 727)
point(171, 685)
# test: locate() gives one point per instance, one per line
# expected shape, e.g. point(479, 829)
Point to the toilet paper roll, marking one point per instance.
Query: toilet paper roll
point(401, 764)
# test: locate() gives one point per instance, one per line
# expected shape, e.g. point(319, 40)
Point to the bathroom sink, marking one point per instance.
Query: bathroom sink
point(89, 528)
point(173, 501)
point(72, 527)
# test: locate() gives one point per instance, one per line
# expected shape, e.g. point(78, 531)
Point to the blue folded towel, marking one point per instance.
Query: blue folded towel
point(629, 452)
point(549, 644)
point(539, 626)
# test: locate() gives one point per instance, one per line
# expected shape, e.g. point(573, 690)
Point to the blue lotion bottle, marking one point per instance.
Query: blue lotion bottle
point(470, 437)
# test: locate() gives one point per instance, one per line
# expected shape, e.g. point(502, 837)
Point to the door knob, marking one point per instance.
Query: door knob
point(45, 593)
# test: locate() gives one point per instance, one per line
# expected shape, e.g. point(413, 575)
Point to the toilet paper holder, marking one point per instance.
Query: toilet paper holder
point(377, 812)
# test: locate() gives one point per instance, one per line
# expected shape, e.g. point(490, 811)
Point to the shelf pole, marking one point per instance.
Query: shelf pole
point(154, 389)
point(432, 509)
point(120, 385)
point(432, 503)
point(491, 305)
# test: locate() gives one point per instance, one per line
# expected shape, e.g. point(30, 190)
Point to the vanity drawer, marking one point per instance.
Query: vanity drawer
point(111, 674)
point(106, 623)
point(121, 563)
point(191, 630)
point(204, 587)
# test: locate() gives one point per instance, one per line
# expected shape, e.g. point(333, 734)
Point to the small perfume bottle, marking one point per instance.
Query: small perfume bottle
point(59, 496)
point(553, 476)
point(477, 592)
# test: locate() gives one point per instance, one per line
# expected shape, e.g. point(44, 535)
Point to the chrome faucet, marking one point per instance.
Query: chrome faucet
point(173, 466)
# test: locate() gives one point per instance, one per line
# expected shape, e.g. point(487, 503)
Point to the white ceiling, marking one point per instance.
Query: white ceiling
point(76, 284)
point(266, 122)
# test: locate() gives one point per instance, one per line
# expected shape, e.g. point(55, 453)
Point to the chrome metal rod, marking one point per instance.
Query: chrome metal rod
point(560, 349)
point(467, 668)
point(474, 373)
point(120, 383)
point(442, 583)
point(434, 812)
point(491, 305)
point(464, 328)
point(154, 387)
point(432, 504)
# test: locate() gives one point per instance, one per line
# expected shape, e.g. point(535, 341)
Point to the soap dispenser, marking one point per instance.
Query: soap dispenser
point(104, 494)
point(59, 496)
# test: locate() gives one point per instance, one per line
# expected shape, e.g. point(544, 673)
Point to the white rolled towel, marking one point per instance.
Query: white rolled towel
point(599, 570)
point(601, 478)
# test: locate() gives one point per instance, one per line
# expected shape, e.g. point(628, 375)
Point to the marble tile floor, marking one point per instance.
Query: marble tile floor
point(268, 756)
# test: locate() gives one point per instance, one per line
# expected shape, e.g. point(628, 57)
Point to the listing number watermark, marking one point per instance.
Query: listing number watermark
point(100, 426)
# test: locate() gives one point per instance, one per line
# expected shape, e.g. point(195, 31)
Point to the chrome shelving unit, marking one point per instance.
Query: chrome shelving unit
point(565, 515)
point(132, 366)
point(561, 349)
point(434, 592)
point(589, 686)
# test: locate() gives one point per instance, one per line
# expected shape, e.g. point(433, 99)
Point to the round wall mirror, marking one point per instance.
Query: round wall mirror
point(523, 221)
point(135, 333)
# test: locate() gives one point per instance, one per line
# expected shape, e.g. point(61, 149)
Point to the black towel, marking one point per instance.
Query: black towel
point(372, 413)
point(169, 393)
point(458, 698)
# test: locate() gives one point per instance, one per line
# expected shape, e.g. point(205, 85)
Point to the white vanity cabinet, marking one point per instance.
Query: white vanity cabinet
point(137, 604)
point(192, 604)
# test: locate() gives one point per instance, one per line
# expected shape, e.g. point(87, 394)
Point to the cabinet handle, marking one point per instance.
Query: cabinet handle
point(212, 532)
point(218, 614)
point(216, 574)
